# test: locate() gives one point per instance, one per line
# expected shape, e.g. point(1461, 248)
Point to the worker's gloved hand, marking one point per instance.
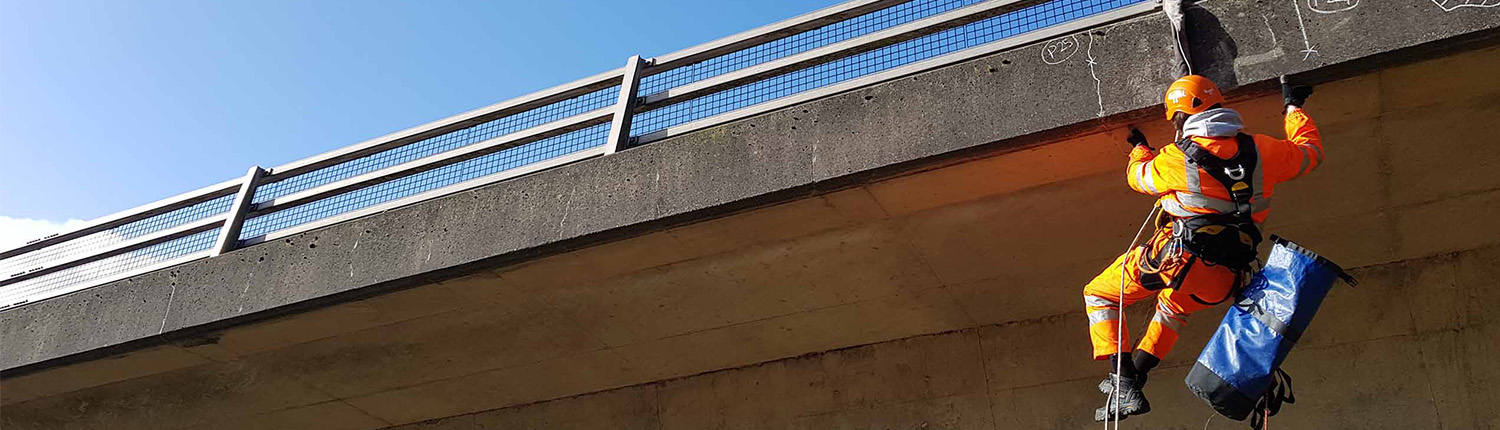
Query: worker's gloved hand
point(1295, 95)
point(1136, 138)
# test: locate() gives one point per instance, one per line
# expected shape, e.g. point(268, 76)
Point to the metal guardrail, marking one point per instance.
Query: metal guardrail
point(815, 55)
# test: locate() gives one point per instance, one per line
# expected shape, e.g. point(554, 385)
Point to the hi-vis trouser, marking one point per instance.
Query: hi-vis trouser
point(1101, 297)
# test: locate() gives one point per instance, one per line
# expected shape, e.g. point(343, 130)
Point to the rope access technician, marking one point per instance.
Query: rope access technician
point(1214, 187)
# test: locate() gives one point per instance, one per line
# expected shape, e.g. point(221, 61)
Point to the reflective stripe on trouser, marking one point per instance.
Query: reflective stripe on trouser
point(1102, 296)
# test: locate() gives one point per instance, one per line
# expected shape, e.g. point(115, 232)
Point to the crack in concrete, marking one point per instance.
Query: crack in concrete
point(248, 280)
point(567, 206)
point(989, 392)
point(168, 313)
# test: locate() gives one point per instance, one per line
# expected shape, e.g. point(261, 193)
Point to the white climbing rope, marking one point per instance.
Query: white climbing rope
point(1175, 17)
point(1111, 404)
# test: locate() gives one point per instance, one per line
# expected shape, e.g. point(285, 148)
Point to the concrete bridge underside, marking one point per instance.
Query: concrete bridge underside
point(942, 292)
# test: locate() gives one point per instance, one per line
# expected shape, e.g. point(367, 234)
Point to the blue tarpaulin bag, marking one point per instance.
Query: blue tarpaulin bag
point(1239, 372)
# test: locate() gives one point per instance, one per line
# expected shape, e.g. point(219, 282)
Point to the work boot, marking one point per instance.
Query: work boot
point(1142, 362)
point(1129, 401)
point(1108, 384)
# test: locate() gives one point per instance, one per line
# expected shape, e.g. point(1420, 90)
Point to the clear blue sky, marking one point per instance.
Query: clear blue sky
point(106, 105)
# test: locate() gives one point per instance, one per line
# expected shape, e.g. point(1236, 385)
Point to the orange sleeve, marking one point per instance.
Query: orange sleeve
point(1141, 172)
point(1300, 153)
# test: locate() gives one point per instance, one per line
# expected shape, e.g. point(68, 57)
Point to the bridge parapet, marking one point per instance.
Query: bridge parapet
point(825, 52)
point(1095, 75)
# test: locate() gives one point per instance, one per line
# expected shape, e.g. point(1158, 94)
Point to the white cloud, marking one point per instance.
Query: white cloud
point(16, 231)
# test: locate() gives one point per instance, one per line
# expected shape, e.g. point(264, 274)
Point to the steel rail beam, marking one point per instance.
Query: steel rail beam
point(555, 128)
point(120, 248)
point(780, 29)
point(907, 70)
point(428, 195)
point(8, 298)
point(836, 51)
point(129, 215)
point(446, 125)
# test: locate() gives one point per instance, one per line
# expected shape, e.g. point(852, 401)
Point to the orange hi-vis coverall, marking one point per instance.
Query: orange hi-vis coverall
point(1166, 175)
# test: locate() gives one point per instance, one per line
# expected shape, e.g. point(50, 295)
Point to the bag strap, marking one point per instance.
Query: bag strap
point(1269, 404)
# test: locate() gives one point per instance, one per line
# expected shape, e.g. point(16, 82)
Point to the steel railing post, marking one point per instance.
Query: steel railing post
point(619, 129)
point(229, 235)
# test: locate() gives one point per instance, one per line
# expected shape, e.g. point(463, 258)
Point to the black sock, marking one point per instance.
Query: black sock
point(1144, 361)
point(1124, 364)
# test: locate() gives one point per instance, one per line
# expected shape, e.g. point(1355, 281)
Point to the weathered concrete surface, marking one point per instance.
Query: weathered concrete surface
point(936, 117)
point(1012, 376)
point(1002, 237)
point(990, 252)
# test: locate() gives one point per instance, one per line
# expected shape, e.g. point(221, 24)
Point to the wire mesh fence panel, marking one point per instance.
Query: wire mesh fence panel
point(92, 273)
point(900, 54)
point(801, 42)
point(94, 243)
point(519, 156)
point(438, 144)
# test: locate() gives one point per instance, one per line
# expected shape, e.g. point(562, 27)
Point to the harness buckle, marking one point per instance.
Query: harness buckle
point(1237, 173)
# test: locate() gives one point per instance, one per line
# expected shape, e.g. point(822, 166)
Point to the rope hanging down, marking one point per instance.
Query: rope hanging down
point(1175, 17)
point(1120, 322)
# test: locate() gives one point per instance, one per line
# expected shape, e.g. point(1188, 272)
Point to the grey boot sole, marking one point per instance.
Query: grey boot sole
point(1104, 414)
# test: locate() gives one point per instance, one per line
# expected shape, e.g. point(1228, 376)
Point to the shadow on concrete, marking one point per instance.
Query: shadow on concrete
point(1211, 48)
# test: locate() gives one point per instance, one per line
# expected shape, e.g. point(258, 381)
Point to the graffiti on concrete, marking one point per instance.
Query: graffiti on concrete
point(1307, 51)
point(1060, 49)
point(1098, 85)
point(1270, 55)
point(1452, 5)
point(1331, 6)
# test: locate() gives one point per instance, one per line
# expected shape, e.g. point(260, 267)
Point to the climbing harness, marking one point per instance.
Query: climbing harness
point(1225, 239)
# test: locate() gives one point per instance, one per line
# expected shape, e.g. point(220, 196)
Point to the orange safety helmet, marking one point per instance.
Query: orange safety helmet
point(1191, 95)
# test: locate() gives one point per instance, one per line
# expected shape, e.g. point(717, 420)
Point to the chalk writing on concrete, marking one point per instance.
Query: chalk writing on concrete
point(1308, 51)
point(1331, 6)
point(1452, 5)
point(1059, 50)
point(1098, 85)
point(1274, 53)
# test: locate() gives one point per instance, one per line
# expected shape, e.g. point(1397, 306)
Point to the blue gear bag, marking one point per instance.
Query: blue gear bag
point(1238, 372)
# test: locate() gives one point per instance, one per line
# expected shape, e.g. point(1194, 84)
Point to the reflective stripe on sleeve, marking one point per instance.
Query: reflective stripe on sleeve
point(1147, 181)
point(1306, 160)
